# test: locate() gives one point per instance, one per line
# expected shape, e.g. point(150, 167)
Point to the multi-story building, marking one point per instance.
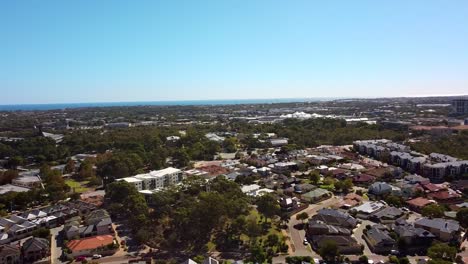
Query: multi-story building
point(155, 179)
point(460, 106)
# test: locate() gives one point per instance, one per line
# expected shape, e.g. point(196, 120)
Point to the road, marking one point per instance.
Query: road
point(55, 251)
point(297, 236)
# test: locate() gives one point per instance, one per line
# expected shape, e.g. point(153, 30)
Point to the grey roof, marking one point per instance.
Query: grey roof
point(104, 222)
point(441, 224)
point(378, 236)
point(389, 213)
point(335, 217)
point(35, 244)
point(330, 229)
point(380, 188)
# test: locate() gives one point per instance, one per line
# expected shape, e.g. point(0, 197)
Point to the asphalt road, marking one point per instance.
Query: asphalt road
point(55, 251)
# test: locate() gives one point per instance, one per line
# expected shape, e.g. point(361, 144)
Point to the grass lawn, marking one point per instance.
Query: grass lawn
point(76, 186)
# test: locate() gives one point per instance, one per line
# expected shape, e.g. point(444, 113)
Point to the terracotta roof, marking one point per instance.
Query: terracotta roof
point(419, 202)
point(90, 242)
point(444, 195)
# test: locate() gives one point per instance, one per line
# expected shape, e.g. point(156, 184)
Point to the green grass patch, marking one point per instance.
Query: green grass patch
point(76, 186)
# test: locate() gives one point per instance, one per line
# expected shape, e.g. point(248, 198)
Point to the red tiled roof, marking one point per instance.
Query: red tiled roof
point(90, 242)
point(444, 195)
point(363, 178)
point(419, 202)
point(431, 187)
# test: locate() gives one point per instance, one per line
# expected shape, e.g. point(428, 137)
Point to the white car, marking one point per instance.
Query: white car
point(306, 242)
point(96, 256)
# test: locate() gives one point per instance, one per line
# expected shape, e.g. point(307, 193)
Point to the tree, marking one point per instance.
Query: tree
point(252, 228)
point(86, 170)
point(328, 250)
point(69, 167)
point(314, 177)
point(462, 217)
point(7, 176)
point(433, 210)
point(41, 232)
point(394, 200)
point(272, 240)
point(442, 251)
point(268, 206)
point(363, 259)
point(302, 216)
point(181, 158)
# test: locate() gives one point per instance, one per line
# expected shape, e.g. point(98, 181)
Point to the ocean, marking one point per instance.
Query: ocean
point(33, 107)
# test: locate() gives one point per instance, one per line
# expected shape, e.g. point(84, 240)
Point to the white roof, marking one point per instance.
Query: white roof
point(250, 188)
point(163, 172)
point(130, 180)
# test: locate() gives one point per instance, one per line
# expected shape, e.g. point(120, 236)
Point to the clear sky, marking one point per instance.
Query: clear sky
point(102, 51)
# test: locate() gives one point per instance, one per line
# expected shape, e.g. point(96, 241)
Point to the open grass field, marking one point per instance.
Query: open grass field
point(78, 187)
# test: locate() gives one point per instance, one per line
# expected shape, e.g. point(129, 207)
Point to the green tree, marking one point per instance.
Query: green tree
point(329, 251)
point(433, 210)
point(314, 177)
point(302, 216)
point(268, 206)
point(462, 217)
point(442, 251)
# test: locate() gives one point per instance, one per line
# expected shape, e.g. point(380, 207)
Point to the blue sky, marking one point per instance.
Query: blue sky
point(102, 51)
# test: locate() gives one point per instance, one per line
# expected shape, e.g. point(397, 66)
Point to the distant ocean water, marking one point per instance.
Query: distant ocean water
point(32, 107)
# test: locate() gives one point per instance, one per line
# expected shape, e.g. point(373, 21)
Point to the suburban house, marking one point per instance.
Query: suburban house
point(335, 218)
point(35, 249)
point(446, 196)
point(365, 210)
point(103, 245)
point(383, 188)
point(444, 229)
point(379, 240)
point(387, 215)
point(417, 204)
point(10, 254)
point(363, 179)
point(316, 195)
point(320, 228)
point(413, 237)
point(346, 244)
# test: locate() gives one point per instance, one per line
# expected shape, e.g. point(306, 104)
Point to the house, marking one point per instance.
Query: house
point(316, 195)
point(278, 142)
point(320, 228)
point(349, 201)
point(380, 188)
point(96, 216)
point(335, 218)
point(363, 179)
point(346, 244)
point(418, 203)
point(447, 196)
point(35, 249)
point(251, 189)
point(379, 240)
point(103, 245)
point(412, 237)
point(387, 215)
point(446, 230)
point(366, 209)
point(288, 204)
point(10, 254)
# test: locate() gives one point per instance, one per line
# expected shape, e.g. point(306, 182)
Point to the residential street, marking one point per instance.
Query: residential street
point(55, 251)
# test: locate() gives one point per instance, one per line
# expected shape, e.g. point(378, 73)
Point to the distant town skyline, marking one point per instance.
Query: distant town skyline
point(122, 51)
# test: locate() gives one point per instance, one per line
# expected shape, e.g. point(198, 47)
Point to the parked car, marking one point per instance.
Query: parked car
point(80, 258)
point(306, 242)
point(97, 256)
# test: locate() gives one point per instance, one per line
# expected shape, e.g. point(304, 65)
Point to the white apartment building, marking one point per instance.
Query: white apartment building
point(155, 179)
